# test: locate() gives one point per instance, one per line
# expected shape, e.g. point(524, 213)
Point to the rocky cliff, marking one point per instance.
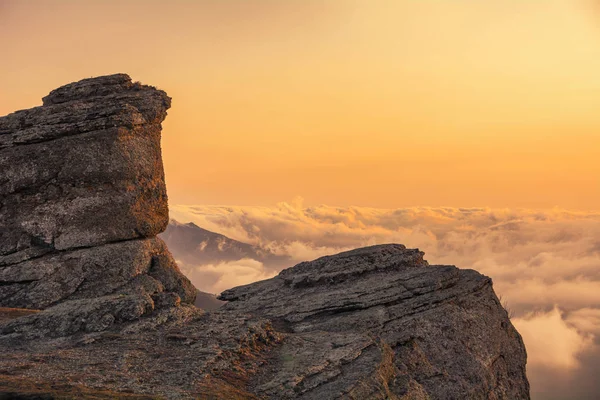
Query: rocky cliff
point(95, 306)
point(82, 198)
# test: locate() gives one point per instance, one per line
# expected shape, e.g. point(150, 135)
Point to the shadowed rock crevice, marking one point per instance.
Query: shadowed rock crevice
point(82, 198)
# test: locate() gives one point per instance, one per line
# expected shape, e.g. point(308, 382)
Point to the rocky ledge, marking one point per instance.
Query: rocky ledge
point(379, 322)
point(99, 309)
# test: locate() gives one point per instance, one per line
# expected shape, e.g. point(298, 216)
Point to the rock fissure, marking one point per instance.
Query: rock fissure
point(22, 282)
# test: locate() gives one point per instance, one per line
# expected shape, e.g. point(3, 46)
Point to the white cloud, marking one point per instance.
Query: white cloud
point(555, 254)
point(586, 320)
point(541, 261)
point(215, 278)
point(552, 342)
point(301, 251)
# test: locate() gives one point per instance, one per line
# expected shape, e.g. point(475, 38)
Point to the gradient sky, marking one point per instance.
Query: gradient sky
point(382, 103)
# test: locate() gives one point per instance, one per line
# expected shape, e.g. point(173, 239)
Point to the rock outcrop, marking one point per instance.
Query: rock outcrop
point(379, 322)
point(99, 309)
point(82, 198)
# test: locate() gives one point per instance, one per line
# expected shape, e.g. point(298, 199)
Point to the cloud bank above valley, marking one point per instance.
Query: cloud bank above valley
point(545, 264)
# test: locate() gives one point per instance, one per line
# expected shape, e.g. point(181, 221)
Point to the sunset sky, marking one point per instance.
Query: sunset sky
point(381, 103)
point(467, 128)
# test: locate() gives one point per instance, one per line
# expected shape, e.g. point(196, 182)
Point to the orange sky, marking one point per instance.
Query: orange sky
point(383, 103)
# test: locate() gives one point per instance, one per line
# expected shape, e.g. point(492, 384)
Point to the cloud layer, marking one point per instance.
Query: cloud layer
point(544, 263)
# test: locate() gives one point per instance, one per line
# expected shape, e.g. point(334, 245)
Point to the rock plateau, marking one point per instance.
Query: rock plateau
point(94, 306)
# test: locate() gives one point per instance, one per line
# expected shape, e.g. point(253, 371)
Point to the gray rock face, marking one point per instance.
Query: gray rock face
point(82, 197)
point(84, 169)
point(373, 323)
point(378, 322)
point(92, 272)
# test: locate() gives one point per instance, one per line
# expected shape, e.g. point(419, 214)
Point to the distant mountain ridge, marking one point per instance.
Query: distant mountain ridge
point(193, 245)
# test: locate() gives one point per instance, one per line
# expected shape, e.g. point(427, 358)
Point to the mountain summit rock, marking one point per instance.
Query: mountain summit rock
point(379, 322)
point(83, 197)
point(94, 306)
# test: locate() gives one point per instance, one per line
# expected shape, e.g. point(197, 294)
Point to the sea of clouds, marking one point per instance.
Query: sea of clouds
point(545, 265)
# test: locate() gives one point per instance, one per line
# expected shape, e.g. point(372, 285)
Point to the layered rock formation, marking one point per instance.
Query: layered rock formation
point(82, 197)
point(115, 318)
point(378, 322)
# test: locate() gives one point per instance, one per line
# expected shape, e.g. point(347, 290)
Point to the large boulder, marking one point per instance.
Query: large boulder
point(82, 170)
point(82, 198)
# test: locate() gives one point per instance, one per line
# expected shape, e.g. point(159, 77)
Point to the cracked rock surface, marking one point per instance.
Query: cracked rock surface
point(372, 323)
point(379, 322)
point(82, 198)
point(82, 170)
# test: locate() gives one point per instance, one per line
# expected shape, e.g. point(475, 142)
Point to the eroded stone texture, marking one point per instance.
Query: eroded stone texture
point(374, 323)
point(378, 322)
point(144, 265)
point(82, 198)
point(181, 353)
point(83, 169)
